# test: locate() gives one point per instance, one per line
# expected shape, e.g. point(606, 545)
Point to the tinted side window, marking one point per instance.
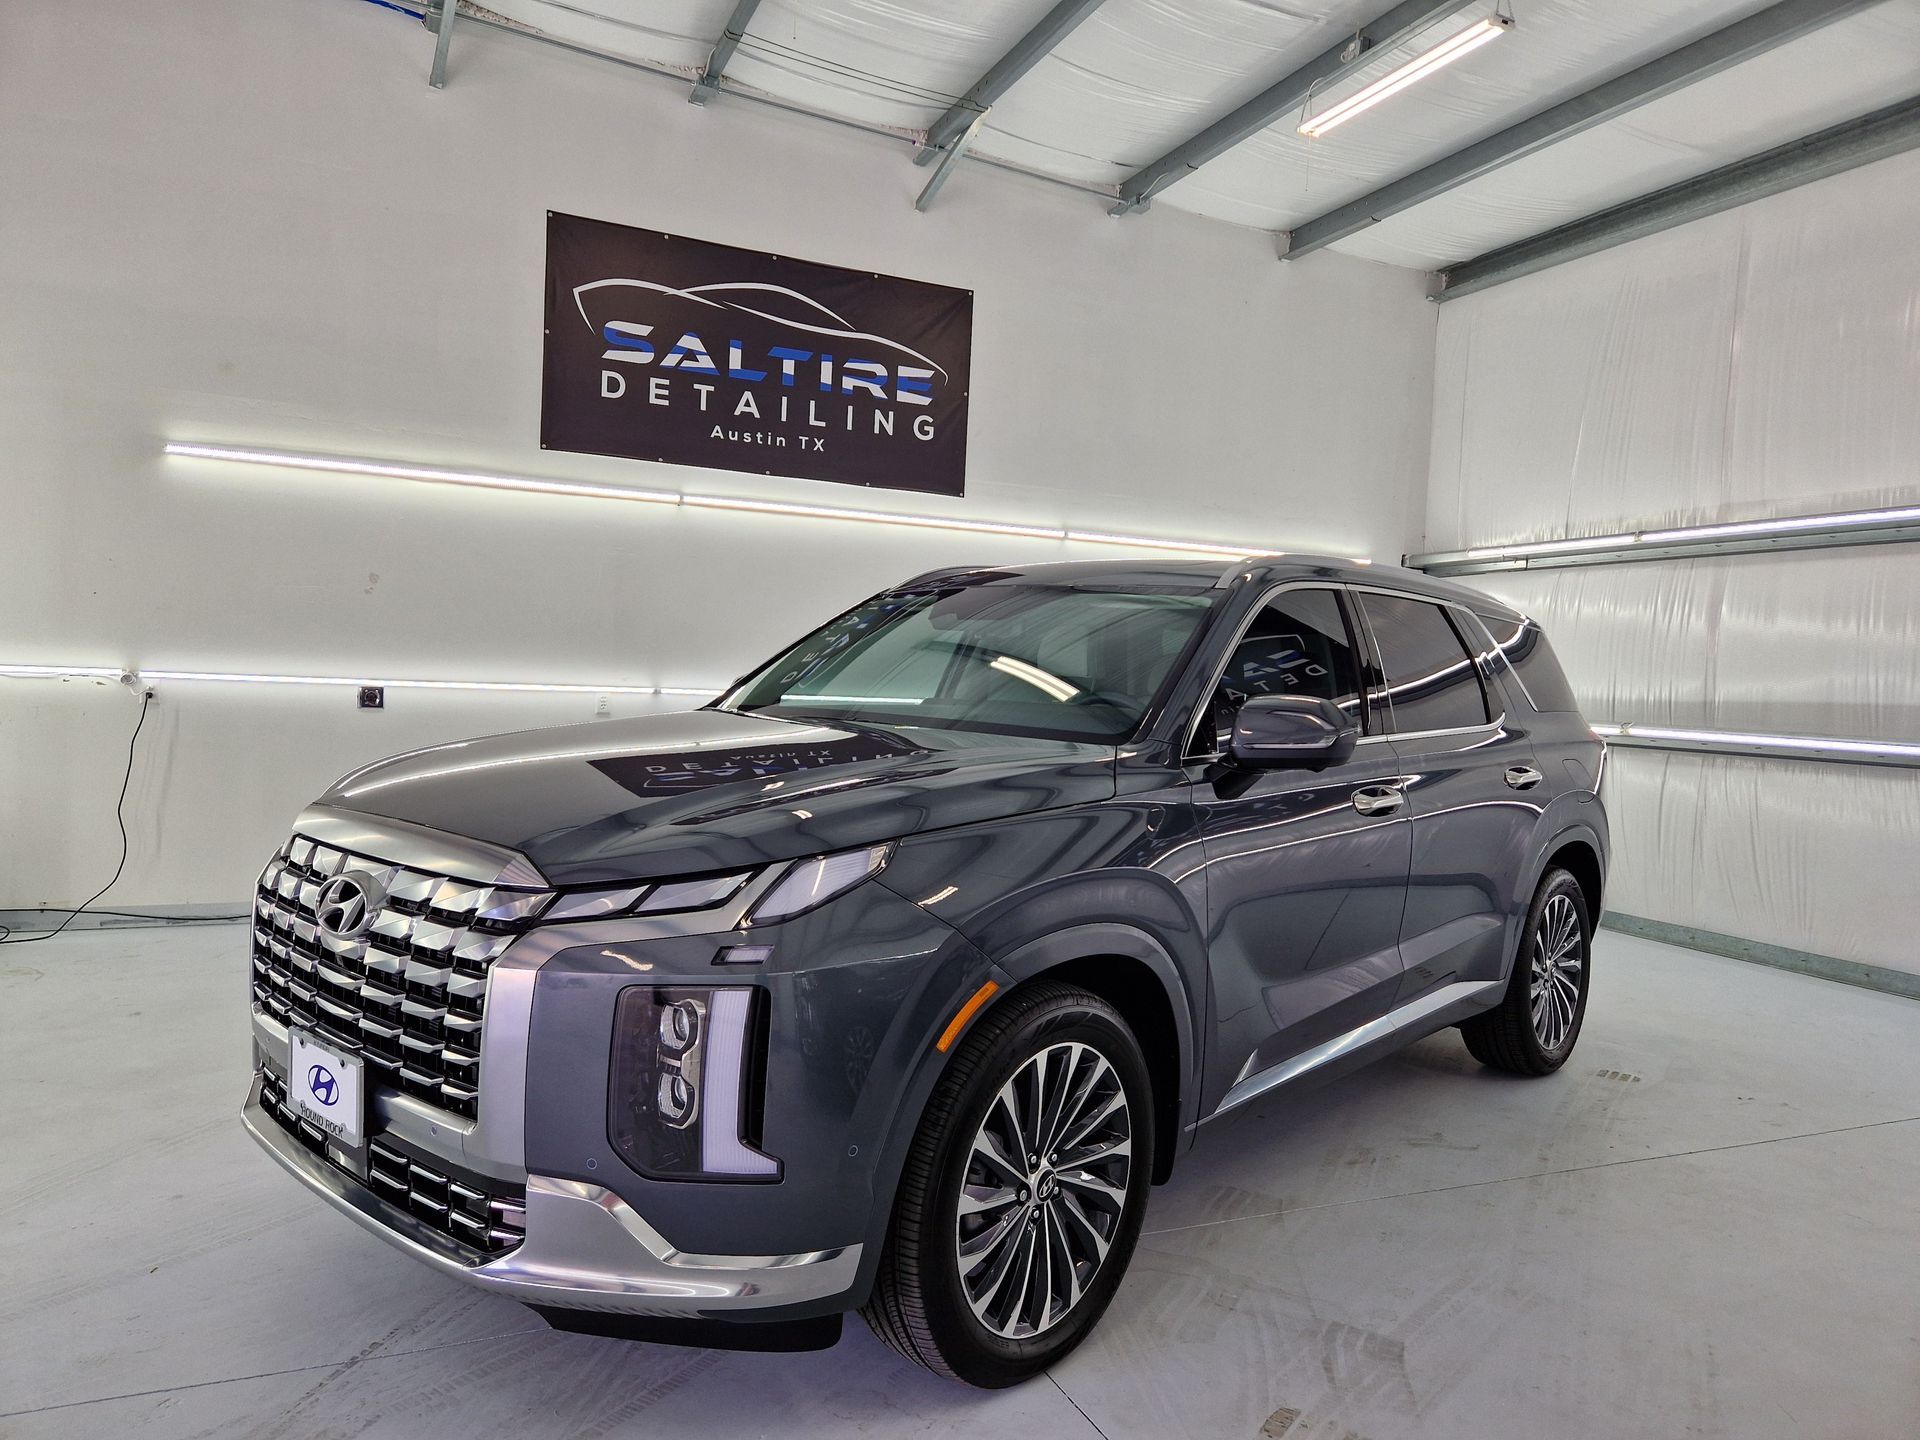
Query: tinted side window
point(1524, 645)
point(1297, 644)
point(1432, 681)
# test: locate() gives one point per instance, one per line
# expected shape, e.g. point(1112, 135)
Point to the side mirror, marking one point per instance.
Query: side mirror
point(1292, 730)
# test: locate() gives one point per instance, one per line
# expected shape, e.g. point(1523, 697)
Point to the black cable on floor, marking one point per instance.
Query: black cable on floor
point(169, 919)
point(120, 818)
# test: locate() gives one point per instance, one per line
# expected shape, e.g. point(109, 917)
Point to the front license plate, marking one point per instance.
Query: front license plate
point(324, 1086)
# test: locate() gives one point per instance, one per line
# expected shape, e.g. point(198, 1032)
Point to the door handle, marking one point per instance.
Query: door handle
point(1379, 799)
point(1523, 777)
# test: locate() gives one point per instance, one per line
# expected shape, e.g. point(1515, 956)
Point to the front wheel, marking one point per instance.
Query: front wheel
point(1533, 1029)
point(1023, 1194)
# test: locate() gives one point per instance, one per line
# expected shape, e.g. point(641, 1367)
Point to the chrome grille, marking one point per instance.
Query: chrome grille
point(483, 1220)
point(408, 996)
point(490, 1220)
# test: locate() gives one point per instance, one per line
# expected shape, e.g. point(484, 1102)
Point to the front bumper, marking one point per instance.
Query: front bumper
point(586, 1248)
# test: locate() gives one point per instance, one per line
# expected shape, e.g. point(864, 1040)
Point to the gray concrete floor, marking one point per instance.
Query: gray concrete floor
point(1705, 1226)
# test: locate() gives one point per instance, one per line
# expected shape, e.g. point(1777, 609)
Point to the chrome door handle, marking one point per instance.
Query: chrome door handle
point(1378, 799)
point(1523, 777)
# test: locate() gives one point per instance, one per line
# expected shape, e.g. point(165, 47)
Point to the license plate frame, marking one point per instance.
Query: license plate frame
point(327, 1088)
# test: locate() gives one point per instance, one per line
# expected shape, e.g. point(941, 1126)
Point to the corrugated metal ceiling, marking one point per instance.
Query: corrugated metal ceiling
point(1140, 76)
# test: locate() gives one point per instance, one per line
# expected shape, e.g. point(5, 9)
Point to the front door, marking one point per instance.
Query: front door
point(1306, 871)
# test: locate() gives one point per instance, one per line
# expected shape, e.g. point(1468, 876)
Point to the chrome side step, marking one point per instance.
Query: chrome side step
point(1412, 1013)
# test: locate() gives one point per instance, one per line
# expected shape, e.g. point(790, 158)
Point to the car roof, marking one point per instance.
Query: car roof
point(1199, 576)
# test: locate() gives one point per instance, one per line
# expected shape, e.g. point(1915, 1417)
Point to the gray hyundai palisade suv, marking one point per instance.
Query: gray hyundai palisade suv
point(893, 978)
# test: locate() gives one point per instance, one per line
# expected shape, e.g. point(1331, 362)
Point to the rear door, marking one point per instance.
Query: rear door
point(1306, 870)
point(1473, 791)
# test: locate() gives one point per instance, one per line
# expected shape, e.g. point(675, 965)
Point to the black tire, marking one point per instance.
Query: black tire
point(1507, 1037)
point(919, 1305)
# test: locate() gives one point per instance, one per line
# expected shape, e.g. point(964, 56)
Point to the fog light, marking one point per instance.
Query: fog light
point(686, 1083)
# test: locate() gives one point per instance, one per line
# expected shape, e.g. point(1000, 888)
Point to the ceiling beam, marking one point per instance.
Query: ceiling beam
point(440, 20)
point(1742, 40)
point(1827, 152)
point(948, 161)
point(709, 81)
point(1027, 51)
point(1395, 27)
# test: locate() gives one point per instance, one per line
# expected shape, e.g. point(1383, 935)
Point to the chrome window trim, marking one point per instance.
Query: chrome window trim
point(1301, 582)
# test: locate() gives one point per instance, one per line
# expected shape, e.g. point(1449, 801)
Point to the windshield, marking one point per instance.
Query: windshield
point(1024, 659)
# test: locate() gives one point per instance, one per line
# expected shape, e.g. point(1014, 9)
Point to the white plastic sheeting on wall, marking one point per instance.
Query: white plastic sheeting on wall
point(1808, 642)
point(1760, 363)
point(1813, 857)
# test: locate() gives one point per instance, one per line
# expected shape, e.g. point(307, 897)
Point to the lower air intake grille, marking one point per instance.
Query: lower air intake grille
point(490, 1220)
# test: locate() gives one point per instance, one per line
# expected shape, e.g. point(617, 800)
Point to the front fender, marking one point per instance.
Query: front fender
point(1103, 940)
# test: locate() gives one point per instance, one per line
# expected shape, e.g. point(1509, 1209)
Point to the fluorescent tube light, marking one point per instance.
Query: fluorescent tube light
point(878, 517)
point(1889, 749)
point(60, 672)
point(487, 480)
point(1191, 547)
point(1793, 531)
point(1552, 547)
point(1741, 742)
point(1789, 524)
point(484, 479)
point(236, 678)
point(1422, 65)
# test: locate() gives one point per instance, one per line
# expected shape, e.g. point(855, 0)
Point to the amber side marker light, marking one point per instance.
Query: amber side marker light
point(967, 1011)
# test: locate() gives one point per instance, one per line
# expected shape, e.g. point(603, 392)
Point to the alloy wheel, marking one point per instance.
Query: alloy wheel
point(1044, 1189)
point(1558, 958)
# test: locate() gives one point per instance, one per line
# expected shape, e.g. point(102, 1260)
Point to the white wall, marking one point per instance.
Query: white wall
point(252, 221)
point(1762, 362)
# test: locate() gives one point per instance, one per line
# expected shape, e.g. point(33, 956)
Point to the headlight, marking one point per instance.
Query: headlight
point(608, 901)
point(812, 883)
point(687, 1081)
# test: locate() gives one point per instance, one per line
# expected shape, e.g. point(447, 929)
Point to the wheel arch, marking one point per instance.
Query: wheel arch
point(1580, 857)
point(1129, 970)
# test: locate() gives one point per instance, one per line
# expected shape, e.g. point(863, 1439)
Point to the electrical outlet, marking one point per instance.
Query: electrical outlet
point(373, 697)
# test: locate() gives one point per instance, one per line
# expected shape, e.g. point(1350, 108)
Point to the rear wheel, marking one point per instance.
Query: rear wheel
point(1533, 1029)
point(1022, 1197)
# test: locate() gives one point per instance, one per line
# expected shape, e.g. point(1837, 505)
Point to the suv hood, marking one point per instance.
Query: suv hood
point(717, 790)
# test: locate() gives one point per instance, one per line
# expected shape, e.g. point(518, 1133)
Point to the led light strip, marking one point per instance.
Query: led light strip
point(489, 481)
point(1786, 747)
point(1846, 527)
point(1422, 65)
point(59, 672)
point(230, 677)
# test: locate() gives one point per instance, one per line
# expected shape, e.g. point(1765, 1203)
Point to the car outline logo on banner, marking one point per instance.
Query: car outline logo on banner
point(632, 336)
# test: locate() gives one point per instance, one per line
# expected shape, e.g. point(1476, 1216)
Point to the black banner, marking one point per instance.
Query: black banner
point(664, 348)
